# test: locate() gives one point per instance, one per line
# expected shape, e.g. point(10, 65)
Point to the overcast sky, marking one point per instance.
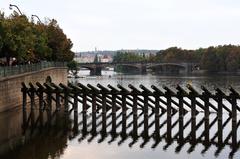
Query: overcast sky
point(143, 24)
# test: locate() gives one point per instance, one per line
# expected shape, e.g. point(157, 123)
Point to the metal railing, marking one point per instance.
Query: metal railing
point(6, 71)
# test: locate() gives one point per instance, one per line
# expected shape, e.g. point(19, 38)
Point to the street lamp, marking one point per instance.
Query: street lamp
point(37, 18)
point(11, 7)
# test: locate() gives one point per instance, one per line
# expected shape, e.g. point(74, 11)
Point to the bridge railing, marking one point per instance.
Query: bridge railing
point(6, 71)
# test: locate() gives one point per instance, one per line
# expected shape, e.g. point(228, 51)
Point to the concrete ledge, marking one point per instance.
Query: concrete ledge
point(29, 73)
point(10, 87)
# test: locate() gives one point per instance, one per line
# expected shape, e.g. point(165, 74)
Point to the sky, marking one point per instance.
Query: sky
point(139, 24)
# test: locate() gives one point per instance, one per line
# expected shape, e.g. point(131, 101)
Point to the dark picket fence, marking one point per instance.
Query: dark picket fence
point(144, 103)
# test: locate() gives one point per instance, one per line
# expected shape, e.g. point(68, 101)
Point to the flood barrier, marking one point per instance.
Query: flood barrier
point(184, 115)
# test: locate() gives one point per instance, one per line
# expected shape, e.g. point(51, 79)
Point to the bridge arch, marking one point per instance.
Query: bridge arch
point(132, 67)
point(85, 66)
point(168, 68)
point(93, 69)
point(141, 67)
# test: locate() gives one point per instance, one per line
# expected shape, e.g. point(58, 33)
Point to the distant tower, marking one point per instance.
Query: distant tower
point(95, 49)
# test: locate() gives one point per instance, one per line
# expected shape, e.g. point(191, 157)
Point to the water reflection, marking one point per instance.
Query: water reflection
point(41, 138)
point(211, 81)
point(175, 129)
point(44, 134)
point(44, 138)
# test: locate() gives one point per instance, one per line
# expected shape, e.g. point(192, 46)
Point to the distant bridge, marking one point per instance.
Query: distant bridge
point(96, 67)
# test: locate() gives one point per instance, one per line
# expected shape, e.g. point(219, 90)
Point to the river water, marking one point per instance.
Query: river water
point(62, 140)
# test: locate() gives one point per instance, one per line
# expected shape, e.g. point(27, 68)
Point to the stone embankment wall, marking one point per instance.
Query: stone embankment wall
point(10, 87)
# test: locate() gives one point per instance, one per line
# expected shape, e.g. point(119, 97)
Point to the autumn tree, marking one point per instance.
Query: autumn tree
point(128, 57)
point(18, 38)
point(210, 60)
point(27, 41)
point(73, 67)
point(233, 60)
point(41, 49)
point(58, 42)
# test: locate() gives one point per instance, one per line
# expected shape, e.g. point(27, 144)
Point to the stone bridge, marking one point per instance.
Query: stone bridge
point(142, 67)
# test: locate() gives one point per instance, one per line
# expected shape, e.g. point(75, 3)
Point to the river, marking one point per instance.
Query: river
point(59, 141)
point(211, 82)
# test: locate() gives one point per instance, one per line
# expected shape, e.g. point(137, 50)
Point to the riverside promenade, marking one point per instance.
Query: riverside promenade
point(12, 76)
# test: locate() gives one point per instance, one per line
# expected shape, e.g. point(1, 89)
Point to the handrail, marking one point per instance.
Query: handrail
point(6, 71)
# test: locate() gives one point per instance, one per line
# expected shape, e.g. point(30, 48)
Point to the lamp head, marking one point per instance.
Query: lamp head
point(10, 6)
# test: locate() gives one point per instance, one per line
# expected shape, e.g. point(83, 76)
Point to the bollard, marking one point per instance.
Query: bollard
point(134, 94)
point(193, 94)
point(135, 115)
point(49, 99)
point(84, 111)
point(75, 123)
point(32, 98)
point(233, 96)
point(40, 97)
point(94, 131)
point(58, 105)
point(104, 110)
point(145, 115)
point(124, 115)
point(66, 91)
point(169, 114)
point(66, 101)
point(219, 115)
point(156, 111)
point(24, 96)
point(75, 102)
point(24, 104)
point(180, 94)
point(113, 113)
point(114, 93)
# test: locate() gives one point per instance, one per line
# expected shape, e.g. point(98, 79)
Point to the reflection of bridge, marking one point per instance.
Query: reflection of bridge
point(96, 68)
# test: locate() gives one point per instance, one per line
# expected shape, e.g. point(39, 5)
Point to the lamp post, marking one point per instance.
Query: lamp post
point(11, 7)
point(37, 18)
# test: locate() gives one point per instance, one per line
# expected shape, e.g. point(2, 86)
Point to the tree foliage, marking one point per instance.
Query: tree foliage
point(27, 41)
point(175, 54)
point(73, 68)
point(58, 42)
point(221, 58)
point(128, 57)
point(209, 60)
point(96, 59)
point(213, 59)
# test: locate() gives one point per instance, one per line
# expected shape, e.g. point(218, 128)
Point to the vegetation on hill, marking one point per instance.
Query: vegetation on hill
point(224, 58)
point(128, 57)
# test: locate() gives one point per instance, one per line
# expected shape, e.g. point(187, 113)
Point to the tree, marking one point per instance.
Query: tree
point(26, 41)
point(209, 60)
point(96, 60)
point(58, 42)
point(1, 33)
point(151, 58)
point(233, 60)
point(18, 38)
point(41, 49)
point(128, 57)
point(73, 68)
